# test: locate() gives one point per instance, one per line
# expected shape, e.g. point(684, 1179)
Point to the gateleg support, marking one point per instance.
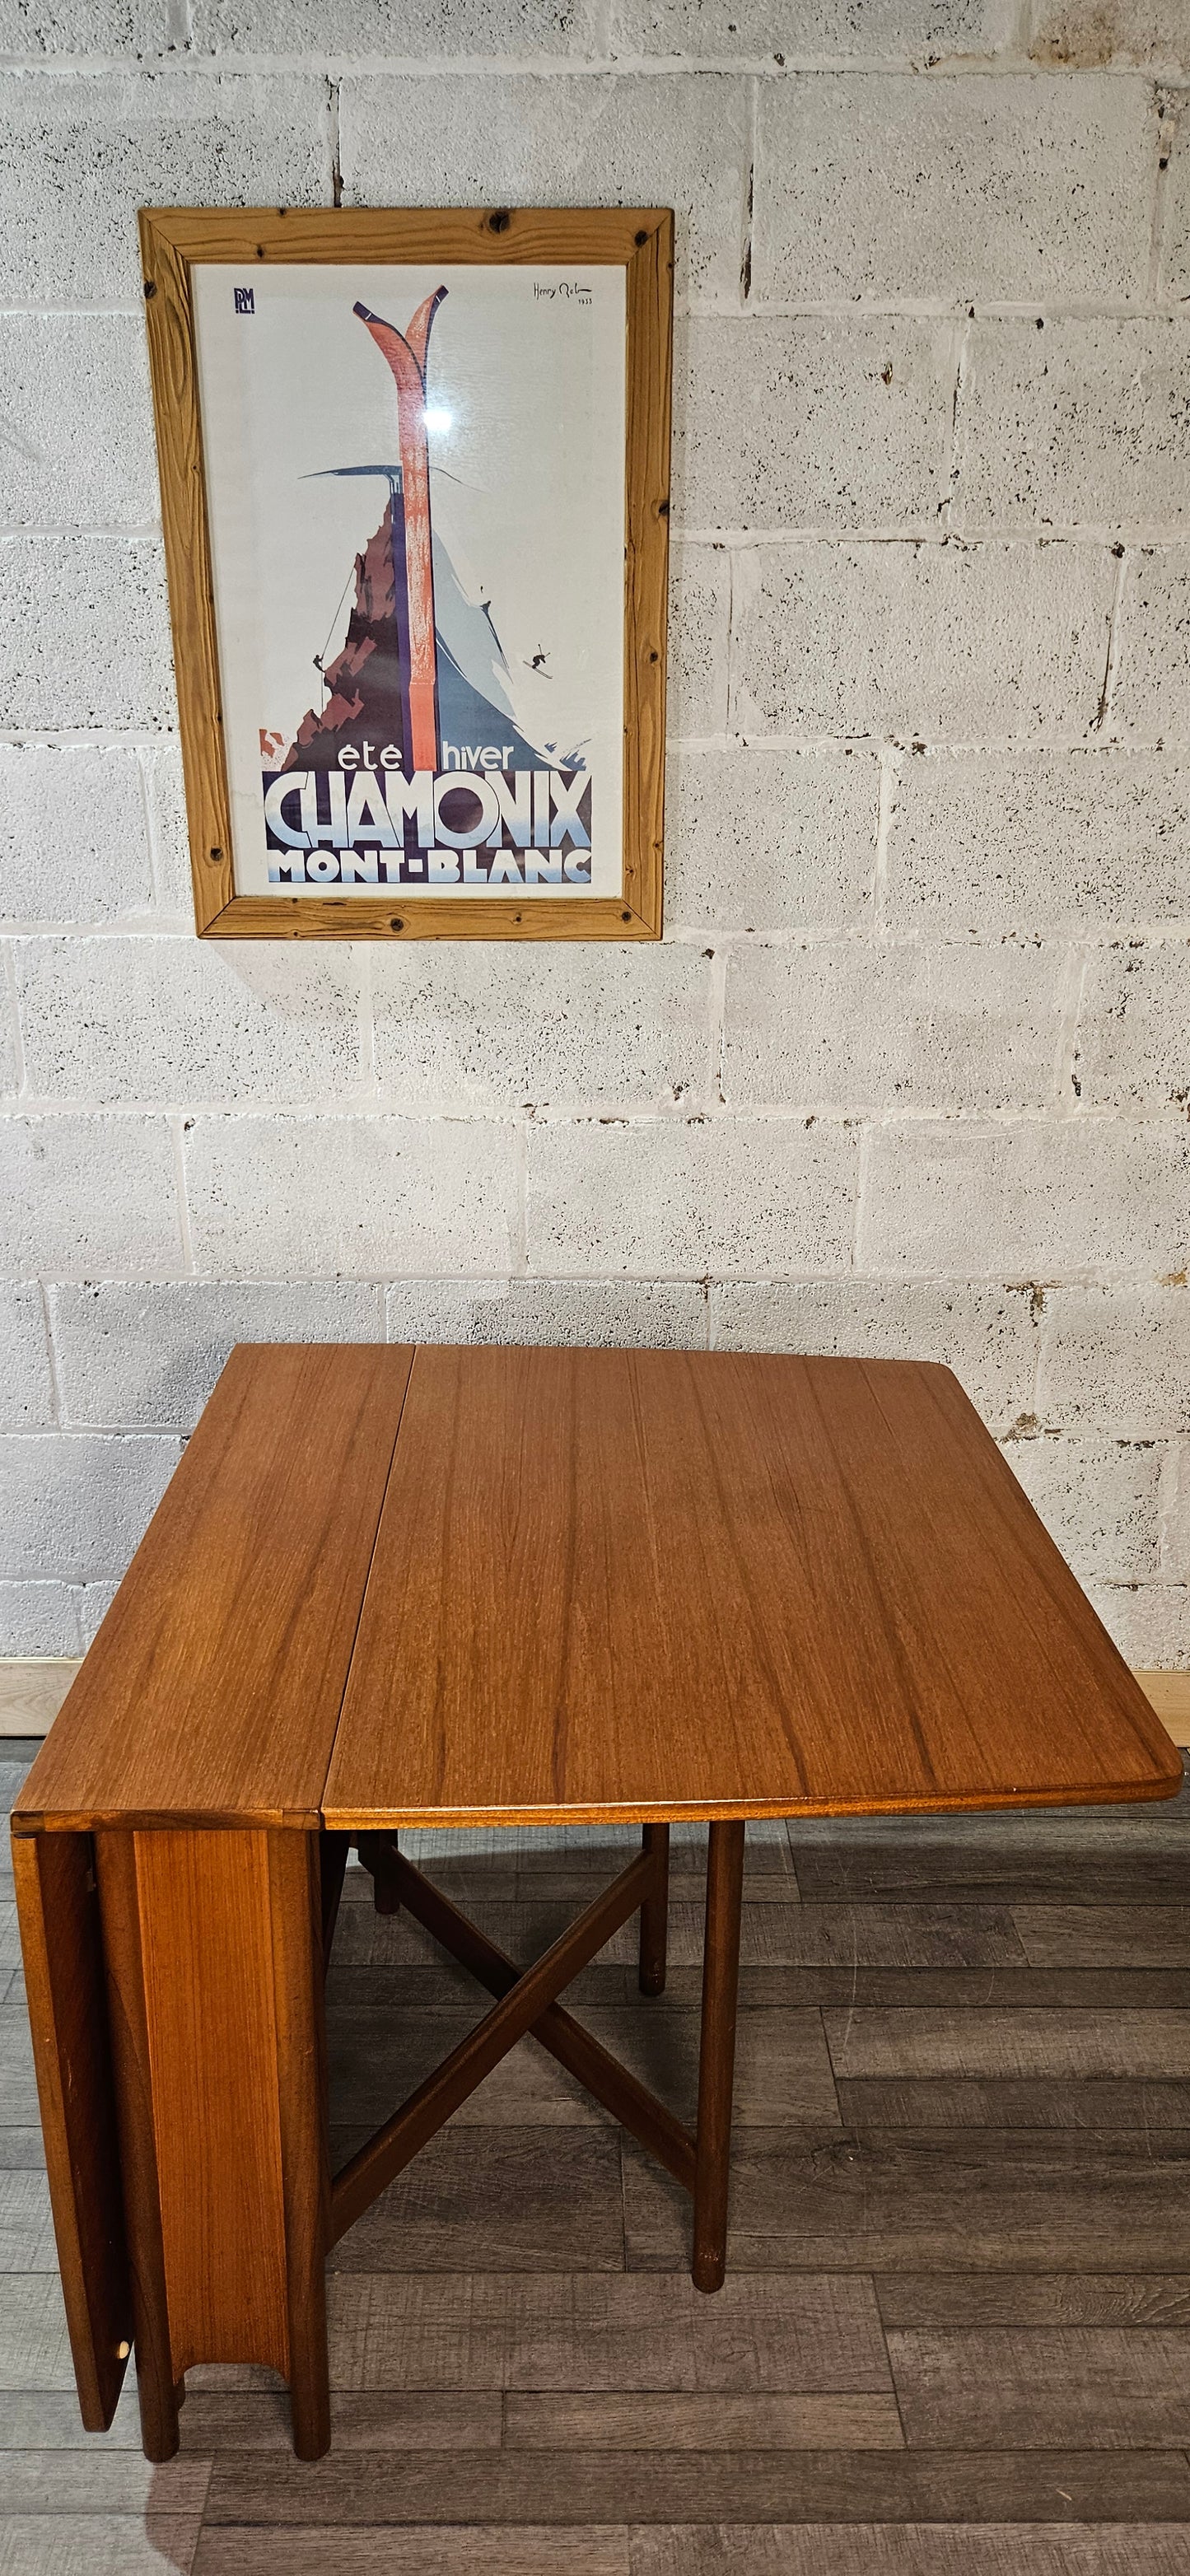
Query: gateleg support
point(213, 1945)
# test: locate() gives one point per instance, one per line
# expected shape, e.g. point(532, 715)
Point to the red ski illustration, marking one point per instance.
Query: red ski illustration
point(413, 564)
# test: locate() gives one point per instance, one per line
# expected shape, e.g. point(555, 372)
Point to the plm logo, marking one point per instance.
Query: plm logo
point(245, 299)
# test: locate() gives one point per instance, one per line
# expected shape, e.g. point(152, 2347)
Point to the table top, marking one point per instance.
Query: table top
point(505, 1585)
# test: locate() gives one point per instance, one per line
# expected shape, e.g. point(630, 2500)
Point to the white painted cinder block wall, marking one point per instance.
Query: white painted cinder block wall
point(910, 1071)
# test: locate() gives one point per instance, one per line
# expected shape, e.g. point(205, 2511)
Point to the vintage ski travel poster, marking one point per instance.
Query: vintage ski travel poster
point(415, 498)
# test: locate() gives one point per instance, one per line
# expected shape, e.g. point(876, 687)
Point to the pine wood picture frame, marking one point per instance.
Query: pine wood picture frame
point(176, 240)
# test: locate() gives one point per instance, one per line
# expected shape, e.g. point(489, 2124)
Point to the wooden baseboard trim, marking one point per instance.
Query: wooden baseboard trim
point(31, 1694)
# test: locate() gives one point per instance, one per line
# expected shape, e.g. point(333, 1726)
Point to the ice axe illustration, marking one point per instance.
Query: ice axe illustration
point(413, 563)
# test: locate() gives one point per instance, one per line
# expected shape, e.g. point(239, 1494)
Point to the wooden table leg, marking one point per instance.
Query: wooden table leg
point(654, 1914)
point(716, 2063)
point(378, 1854)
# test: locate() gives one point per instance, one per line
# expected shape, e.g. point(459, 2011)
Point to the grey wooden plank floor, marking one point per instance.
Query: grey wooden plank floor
point(955, 2338)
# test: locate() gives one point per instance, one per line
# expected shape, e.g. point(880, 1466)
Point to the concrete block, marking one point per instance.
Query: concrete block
point(1050, 841)
point(417, 30)
point(94, 1602)
point(88, 1198)
point(1030, 1201)
point(1149, 1622)
point(1175, 1515)
point(75, 369)
point(1152, 694)
point(1115, 1360)
point(74, 840)
point(132, 1357)
point(699, 620)
point(1076, 37)
point(1099, 1501)
point(1075, 423)
point(854, 1025)
point(74, 1506)
point(942, 640)
point(1132, 1047)
point(79, 153)
point(770, 840)
point(26, 1384)
point(39, 1619)
point(591, 1314)
point(84, 634)
point(692, 1197)
point(1174, 141)
point(986, 1335)
point(179, 1020)
point(29, 28)
point(166, 798)
point(764, 31)
point(9, 1067)
point(350, 1197)
point(495, 1026)
point(964, 189)
point(816, 422)
point(517, 140)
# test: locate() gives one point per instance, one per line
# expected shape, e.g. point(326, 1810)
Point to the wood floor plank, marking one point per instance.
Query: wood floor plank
point(913, 2549)
point(85, 2544)
point(589, 2331)
point(989, 1874)
point(26, 2227)
point(932, 1989)
point(691, 2486)
point(474, 2550)
point(439, 1984)
point(777, 1934)
point(1104, 1936)
point(361, 2420)
point(944, 2199)
point(18, 2083)
point(1043, 2387)
point(1144, 2046)
point(480, 2199)
point(37, 2419)
point(34, 2345)
point(102, 2480)
point(1045, 2103)
point(619, 2422)
point(378, 2054)
point(22, 2149)
point(970, 2299)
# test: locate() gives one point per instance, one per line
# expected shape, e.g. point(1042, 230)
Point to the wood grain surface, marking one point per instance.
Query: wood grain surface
point(615, 1584)
point(211, 1693)
point(58, 1908)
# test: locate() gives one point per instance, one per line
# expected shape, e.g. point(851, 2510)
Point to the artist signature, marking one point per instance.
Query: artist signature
point(571, 290)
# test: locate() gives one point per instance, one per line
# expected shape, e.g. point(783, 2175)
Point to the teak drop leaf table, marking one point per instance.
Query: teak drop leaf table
point(395, 1588)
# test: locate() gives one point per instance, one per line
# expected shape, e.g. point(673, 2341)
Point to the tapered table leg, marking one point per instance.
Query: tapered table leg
point(716, 2064)
point(654, 1914)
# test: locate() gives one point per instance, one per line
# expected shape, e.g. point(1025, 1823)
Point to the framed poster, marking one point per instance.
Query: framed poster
point(415, 493)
